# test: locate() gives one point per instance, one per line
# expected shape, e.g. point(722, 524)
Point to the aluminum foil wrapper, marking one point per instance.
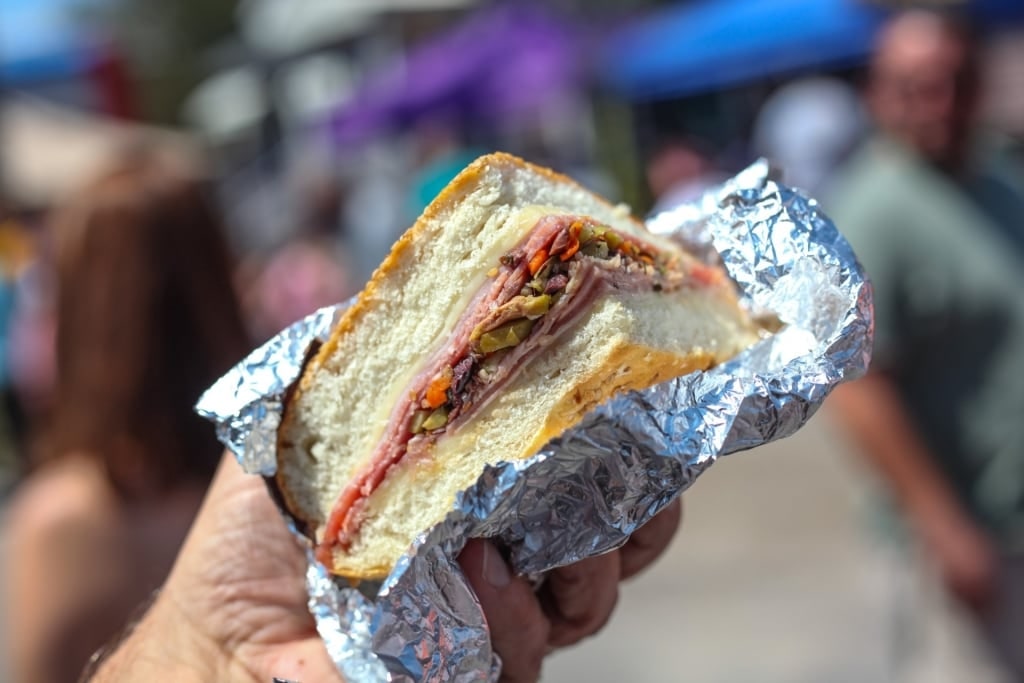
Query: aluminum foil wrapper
point(589, 489)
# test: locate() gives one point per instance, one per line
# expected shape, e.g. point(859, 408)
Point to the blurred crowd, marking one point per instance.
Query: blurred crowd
point(134, 272)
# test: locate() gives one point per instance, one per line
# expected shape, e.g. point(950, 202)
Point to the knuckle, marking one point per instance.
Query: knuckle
point(592, 616)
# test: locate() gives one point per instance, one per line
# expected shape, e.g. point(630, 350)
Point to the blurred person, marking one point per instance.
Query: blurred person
point(31, 338)
point(297, 279)
point(1002, 106)
point(308, 272)
point(935, 215)
point(375, 212)
point(808, 128)
point(16, 258)
point(680, 170)
point(439, 154)
point(147, 319)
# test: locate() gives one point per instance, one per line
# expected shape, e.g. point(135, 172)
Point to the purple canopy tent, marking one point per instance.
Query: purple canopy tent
point(503, 61)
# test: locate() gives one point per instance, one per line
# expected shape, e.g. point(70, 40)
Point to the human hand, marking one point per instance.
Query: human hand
point(873, 410)
point(965, 556)
point(574, 602)
point(234, 606)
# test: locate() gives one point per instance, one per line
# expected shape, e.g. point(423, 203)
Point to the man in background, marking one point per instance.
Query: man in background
point(937, 218)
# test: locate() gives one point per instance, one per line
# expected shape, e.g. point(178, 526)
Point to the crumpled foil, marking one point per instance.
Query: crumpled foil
point(589, 489)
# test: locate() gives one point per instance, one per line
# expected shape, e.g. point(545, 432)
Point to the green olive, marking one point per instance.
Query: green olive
point(587, 233)
point(418, 418)
point(436, 420)
point(536, 306)
point(613, 239)
point(504, 336)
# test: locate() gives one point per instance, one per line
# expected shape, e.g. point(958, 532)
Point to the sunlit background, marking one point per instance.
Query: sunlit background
point(325, 126)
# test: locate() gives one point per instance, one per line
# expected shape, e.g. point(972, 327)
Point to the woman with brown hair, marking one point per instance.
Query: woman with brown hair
point(146, 320)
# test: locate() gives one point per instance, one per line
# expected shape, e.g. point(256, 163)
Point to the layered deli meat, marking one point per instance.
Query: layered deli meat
point(534, 293)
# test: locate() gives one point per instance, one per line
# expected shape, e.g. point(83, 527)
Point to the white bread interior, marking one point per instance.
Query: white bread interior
point(335, 417)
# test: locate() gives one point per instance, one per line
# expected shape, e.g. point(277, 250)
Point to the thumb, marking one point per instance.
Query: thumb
point(519, 629)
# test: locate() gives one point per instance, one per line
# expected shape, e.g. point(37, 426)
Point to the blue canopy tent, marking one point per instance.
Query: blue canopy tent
point(695, 47)
point(39, 41)
point(24, 71)
point(716, 43)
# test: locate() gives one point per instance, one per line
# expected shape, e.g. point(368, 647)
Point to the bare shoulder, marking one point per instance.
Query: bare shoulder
point(66, 498)
point(62, 572)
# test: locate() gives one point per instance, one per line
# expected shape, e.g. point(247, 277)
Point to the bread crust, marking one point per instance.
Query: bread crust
point(635, 368)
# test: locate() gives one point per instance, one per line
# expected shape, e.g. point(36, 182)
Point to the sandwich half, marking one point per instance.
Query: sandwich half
point(517, 302)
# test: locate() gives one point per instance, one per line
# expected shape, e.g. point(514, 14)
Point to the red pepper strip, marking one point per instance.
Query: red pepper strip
point(537, 262)
point(436, 393)
point(570, 250)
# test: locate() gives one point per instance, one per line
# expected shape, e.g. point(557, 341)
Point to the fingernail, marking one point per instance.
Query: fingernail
point(496, 571)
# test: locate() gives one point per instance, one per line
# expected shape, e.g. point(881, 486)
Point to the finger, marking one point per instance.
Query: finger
point(519, 629)
point(650, 540)
point(580, 598)
point(305, 660)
